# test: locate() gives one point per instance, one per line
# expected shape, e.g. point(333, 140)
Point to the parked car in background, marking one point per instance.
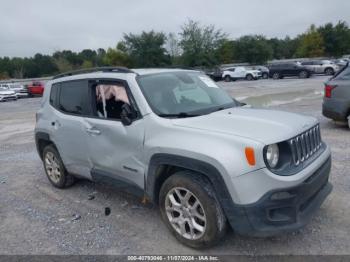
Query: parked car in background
point(336, 101)
point(19, 89)
point(7, 94)
point(214, 73)
point(263, 69)
point(321, 66)
point(341, 62)
point(280, 70)
point(36, 89)
point(240, 72)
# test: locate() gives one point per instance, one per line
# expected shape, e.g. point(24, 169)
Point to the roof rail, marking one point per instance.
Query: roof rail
point(109, 69)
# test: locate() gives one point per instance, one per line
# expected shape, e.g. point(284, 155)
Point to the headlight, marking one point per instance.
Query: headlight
point(272, 155)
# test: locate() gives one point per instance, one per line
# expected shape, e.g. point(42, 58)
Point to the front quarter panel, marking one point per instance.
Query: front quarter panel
point(224, 152)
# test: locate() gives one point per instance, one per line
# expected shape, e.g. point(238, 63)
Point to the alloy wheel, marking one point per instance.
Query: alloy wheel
point(52, 167)
point(185, 213)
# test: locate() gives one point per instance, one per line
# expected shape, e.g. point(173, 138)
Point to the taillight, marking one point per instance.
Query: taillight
point(328, 91)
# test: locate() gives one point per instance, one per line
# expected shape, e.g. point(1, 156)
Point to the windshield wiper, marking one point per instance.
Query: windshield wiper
point(224, 107)
point(179, 115)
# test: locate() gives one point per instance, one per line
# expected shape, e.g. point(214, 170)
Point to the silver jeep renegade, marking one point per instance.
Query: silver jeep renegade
point(183, 143)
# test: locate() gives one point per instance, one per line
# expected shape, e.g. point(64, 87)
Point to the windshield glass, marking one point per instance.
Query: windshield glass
point(183, 94)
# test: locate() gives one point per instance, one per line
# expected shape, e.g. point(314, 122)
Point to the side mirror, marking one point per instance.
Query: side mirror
point(127, 115)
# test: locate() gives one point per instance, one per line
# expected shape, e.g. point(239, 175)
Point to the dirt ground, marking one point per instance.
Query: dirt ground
point(36, 218)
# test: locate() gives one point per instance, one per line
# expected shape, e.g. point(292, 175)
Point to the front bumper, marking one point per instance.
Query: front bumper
point(285, 209)
point(8, 98)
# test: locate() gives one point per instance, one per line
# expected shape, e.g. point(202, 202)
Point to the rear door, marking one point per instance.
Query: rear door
point(67, 124)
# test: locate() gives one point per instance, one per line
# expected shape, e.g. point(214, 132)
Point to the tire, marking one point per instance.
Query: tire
point(212, 222)
point(329, 71)
point(249, 77)
point(303, 74)
point(265, 75)
point(227, 78)
point(276, 75)
point(55, 170)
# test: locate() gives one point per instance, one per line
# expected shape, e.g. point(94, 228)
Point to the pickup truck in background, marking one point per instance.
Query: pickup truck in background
point(36, 89)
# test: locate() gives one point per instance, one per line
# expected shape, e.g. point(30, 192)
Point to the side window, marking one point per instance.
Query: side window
point(53, 95)
point(345, 75)
point(108, 100)
point(73, 97)
point(232, 69)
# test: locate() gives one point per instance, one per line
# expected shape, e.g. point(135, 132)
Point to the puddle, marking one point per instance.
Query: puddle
point(280, 98)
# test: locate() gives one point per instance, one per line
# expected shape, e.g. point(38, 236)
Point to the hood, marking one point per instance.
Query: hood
point(262, 125)
point(7, 92)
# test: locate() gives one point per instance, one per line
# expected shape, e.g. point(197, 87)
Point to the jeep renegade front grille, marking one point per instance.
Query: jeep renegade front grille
point(305, 145)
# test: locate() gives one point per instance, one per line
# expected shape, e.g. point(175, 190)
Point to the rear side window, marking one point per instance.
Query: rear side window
point(345, 75)
point(53, 95)
point(73, 97)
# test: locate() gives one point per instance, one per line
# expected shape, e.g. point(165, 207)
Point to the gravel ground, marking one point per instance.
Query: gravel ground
point(36, 218)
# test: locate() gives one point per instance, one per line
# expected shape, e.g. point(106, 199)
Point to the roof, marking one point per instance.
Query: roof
point(148, 71)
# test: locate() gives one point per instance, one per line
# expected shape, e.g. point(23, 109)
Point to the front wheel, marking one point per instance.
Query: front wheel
point(249, 77)
point(227, 78)
point(191, 211)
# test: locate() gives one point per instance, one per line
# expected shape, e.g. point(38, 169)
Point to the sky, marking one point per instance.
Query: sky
point(28, 27)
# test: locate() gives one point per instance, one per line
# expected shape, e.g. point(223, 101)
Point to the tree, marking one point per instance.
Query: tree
point(200, 43)
point(4, 75)
point(88, 56)
point(226, 51)
point(336, 38)
point(146, 49)
point(253, 49)
point(283, 48)
point(173, 48)
point(63, 65)
point(311, 44)
point(116, 57)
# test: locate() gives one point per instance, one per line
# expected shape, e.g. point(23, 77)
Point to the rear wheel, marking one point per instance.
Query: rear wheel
point(329, 71)
point(191, 211)
point(227, 78)
point(276, 76)
point(55, 170)
point(303, 74)
point(265, 75)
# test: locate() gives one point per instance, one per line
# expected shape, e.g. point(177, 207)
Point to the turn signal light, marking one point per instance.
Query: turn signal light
point(250, 155)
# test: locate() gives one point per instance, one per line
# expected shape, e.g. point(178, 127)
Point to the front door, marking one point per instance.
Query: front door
point(115, 150)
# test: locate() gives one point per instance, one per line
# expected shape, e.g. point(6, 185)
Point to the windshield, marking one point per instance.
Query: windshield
point(183, 94)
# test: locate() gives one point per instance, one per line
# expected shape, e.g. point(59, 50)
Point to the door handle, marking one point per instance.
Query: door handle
point(93, 131)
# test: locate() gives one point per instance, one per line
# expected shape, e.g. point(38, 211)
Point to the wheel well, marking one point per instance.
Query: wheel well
point(328, 68)
point(163, 172)
point(42, 143)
